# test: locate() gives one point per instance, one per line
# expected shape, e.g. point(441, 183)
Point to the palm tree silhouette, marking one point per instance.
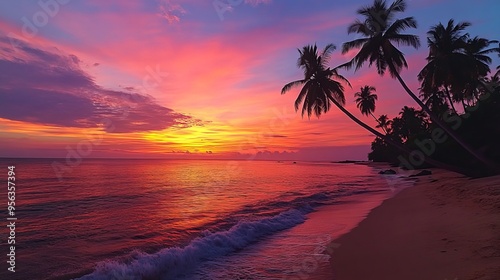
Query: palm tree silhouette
point(320, 87)
point(492, 82)
point(365, 100)
point(455, 62)
point(477, 67)
point(446, 59)
point(410, 122)
point(436, 101)
point(498, 67)
point(384, 122)
point(380, 33)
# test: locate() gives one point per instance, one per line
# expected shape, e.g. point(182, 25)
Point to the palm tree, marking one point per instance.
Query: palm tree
point(456, 63)
point(319, 89)
point(365, 100)
point(491, 83)
point(477, 51)
point(384, 122)
point(321, 86)
point(380, 34)
point(436, 101)
point(477, 67)
point(498, 67)
point(414, 121)
point(410, 123)
point(445, 67)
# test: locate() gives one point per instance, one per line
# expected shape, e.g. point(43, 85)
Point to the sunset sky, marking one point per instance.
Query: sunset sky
point(190, 79)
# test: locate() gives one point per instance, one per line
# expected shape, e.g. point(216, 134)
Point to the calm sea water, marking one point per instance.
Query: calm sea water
point(175, 219)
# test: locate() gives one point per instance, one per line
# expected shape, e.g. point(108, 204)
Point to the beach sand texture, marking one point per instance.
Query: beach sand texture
point(446, 227)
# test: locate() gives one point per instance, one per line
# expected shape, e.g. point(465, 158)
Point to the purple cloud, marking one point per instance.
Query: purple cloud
point(49, 87)
point(45, 107)
point(170, 10)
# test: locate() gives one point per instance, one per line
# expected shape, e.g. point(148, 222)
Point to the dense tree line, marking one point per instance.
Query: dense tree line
point(457, 124)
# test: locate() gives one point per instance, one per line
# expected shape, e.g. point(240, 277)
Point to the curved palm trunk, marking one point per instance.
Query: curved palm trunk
point(449, 99)
point(399, 146)
point(489, 164)
point(381, 126)
point(465, 106)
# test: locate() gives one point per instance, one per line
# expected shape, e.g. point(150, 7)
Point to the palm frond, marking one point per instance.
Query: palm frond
point(365, 53)
point(300, 97)
point(460, 26)
point(401, 25)
point(398, 6)
point(326, 54)
point(406, 40)
point(348, 65)
point(337, 76)
point(336, 91)
point(360, 28)
point(396, 58)
point(291, 85)
point(319, 82)
point(354, 44)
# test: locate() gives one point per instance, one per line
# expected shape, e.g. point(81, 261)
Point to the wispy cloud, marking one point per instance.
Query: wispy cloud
point(48, 86)
point(170, 10)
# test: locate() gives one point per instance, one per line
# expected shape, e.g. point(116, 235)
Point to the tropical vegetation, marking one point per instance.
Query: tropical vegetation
point(456, 126)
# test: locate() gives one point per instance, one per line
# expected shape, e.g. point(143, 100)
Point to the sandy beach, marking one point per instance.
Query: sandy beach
point(445, 227)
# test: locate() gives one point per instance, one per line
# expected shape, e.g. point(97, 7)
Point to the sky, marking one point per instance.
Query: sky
point(191, 78)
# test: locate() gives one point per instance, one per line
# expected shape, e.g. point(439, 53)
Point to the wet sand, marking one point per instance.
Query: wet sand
point(445, 227)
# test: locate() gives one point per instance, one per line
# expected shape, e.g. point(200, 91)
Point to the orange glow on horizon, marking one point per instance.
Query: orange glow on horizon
point(204, 86)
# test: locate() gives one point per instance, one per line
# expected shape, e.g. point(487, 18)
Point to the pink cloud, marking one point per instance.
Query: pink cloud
point(171, 11)
point(232, 77)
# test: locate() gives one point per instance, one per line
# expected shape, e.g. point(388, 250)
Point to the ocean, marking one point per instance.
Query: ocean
point(185, 219)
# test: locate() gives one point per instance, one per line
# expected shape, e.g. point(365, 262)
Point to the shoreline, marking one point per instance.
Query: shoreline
point(445, 227)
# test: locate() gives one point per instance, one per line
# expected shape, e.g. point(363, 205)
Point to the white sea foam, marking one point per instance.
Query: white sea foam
point(171, 262)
